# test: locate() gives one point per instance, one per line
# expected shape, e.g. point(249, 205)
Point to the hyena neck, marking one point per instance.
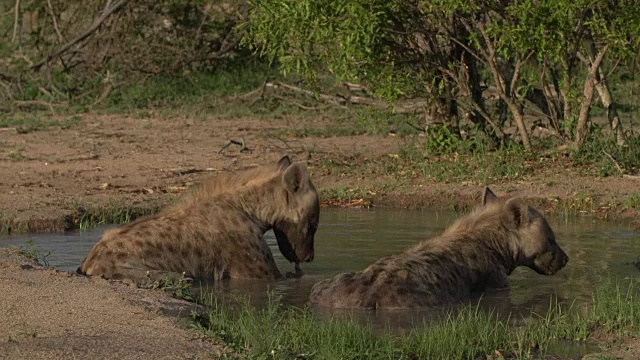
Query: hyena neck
point(499, 247)
point(494, 244)
point(264, 205)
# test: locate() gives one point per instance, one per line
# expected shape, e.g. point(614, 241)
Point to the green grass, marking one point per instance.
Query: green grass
point(344, 194)
point(280, 332)
point(178, 286)
point(89, 216)
point(633, 201)
point(168, 91)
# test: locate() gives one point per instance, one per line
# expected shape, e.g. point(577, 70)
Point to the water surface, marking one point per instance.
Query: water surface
point(349, 240)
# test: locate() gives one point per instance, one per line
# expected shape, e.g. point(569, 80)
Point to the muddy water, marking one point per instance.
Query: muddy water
point(349, 240)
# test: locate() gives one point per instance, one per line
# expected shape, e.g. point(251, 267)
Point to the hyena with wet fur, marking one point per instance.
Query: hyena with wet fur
point(218, 231)
point(476, 253)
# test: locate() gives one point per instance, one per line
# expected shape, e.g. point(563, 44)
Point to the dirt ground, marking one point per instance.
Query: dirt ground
point(48, 178)
point(49, 314)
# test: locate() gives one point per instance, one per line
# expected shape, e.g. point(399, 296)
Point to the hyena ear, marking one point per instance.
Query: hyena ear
point(488, 196)
point(515, 214)
point(284, 163)
point(294, 177)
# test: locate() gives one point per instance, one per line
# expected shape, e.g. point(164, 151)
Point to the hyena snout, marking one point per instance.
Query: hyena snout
point(551, 262)
point(306, 254)
point(309, 257)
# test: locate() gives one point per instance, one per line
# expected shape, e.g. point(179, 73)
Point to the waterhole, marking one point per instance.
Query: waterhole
point(349, 240)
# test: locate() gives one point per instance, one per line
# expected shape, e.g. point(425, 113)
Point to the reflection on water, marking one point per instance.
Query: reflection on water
point(349, 240)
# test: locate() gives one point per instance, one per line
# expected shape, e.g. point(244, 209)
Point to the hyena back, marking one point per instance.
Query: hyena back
point(218, 231)
point(477, 252)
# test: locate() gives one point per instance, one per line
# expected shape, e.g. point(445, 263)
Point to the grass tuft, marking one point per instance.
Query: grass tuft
point(31, 251)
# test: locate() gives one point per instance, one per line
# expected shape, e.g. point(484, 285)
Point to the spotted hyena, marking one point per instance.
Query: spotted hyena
point(477, 252)
point(218, 231)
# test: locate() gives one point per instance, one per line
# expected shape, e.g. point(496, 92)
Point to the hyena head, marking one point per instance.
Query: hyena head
point(535, 243)
point(295, 230)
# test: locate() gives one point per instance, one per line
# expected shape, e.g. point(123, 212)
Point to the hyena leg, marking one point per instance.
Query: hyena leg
point(118, 264)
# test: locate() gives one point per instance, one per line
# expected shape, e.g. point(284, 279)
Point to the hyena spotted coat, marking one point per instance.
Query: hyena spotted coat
point(218, 231)
point(477, 252)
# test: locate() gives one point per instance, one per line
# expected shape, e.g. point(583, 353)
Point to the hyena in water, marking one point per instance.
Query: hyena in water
point(218, 231)
point(477, 252)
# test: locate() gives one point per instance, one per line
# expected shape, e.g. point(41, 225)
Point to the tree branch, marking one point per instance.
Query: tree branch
point(15, 20)
point(589, 85)
point(93, 28)
point(55, 22)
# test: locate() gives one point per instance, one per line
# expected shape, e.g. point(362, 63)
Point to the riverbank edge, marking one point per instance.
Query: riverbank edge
point(444, 196)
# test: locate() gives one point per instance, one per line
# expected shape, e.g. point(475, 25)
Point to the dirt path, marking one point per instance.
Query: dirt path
point(49, 314)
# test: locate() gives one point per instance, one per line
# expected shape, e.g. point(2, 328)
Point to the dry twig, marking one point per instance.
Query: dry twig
point(620, 168)
point(617, 164)
point(241, 143)
point(189, 171)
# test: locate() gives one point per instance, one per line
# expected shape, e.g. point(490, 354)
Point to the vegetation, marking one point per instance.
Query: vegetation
point(88, 216)
point(485, 74)
point(530, 53)
point(281, 332)
point(31, 251)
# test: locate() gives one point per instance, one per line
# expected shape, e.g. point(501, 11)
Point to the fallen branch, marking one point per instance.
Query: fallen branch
point(93, 28)
point(189, 171)
point(331, 99)
point(416, 126)
point(303, 107)
point(241, 143)
point(35, 103)
point(105, 93)
point(620, 168)
point(617, 165)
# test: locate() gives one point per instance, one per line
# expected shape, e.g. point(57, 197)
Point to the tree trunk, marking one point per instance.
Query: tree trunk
point(516, 111)
point(587, 99)
point(612, 112)
point(506, 91)
point(567, 106)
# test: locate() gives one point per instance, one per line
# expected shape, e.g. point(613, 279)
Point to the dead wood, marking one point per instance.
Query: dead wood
point(35, 103)
point(241, 143)
point(15, 21)
point(180, 172)
point(92, 29)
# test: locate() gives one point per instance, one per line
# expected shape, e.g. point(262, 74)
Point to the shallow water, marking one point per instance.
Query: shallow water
point(349, 240)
